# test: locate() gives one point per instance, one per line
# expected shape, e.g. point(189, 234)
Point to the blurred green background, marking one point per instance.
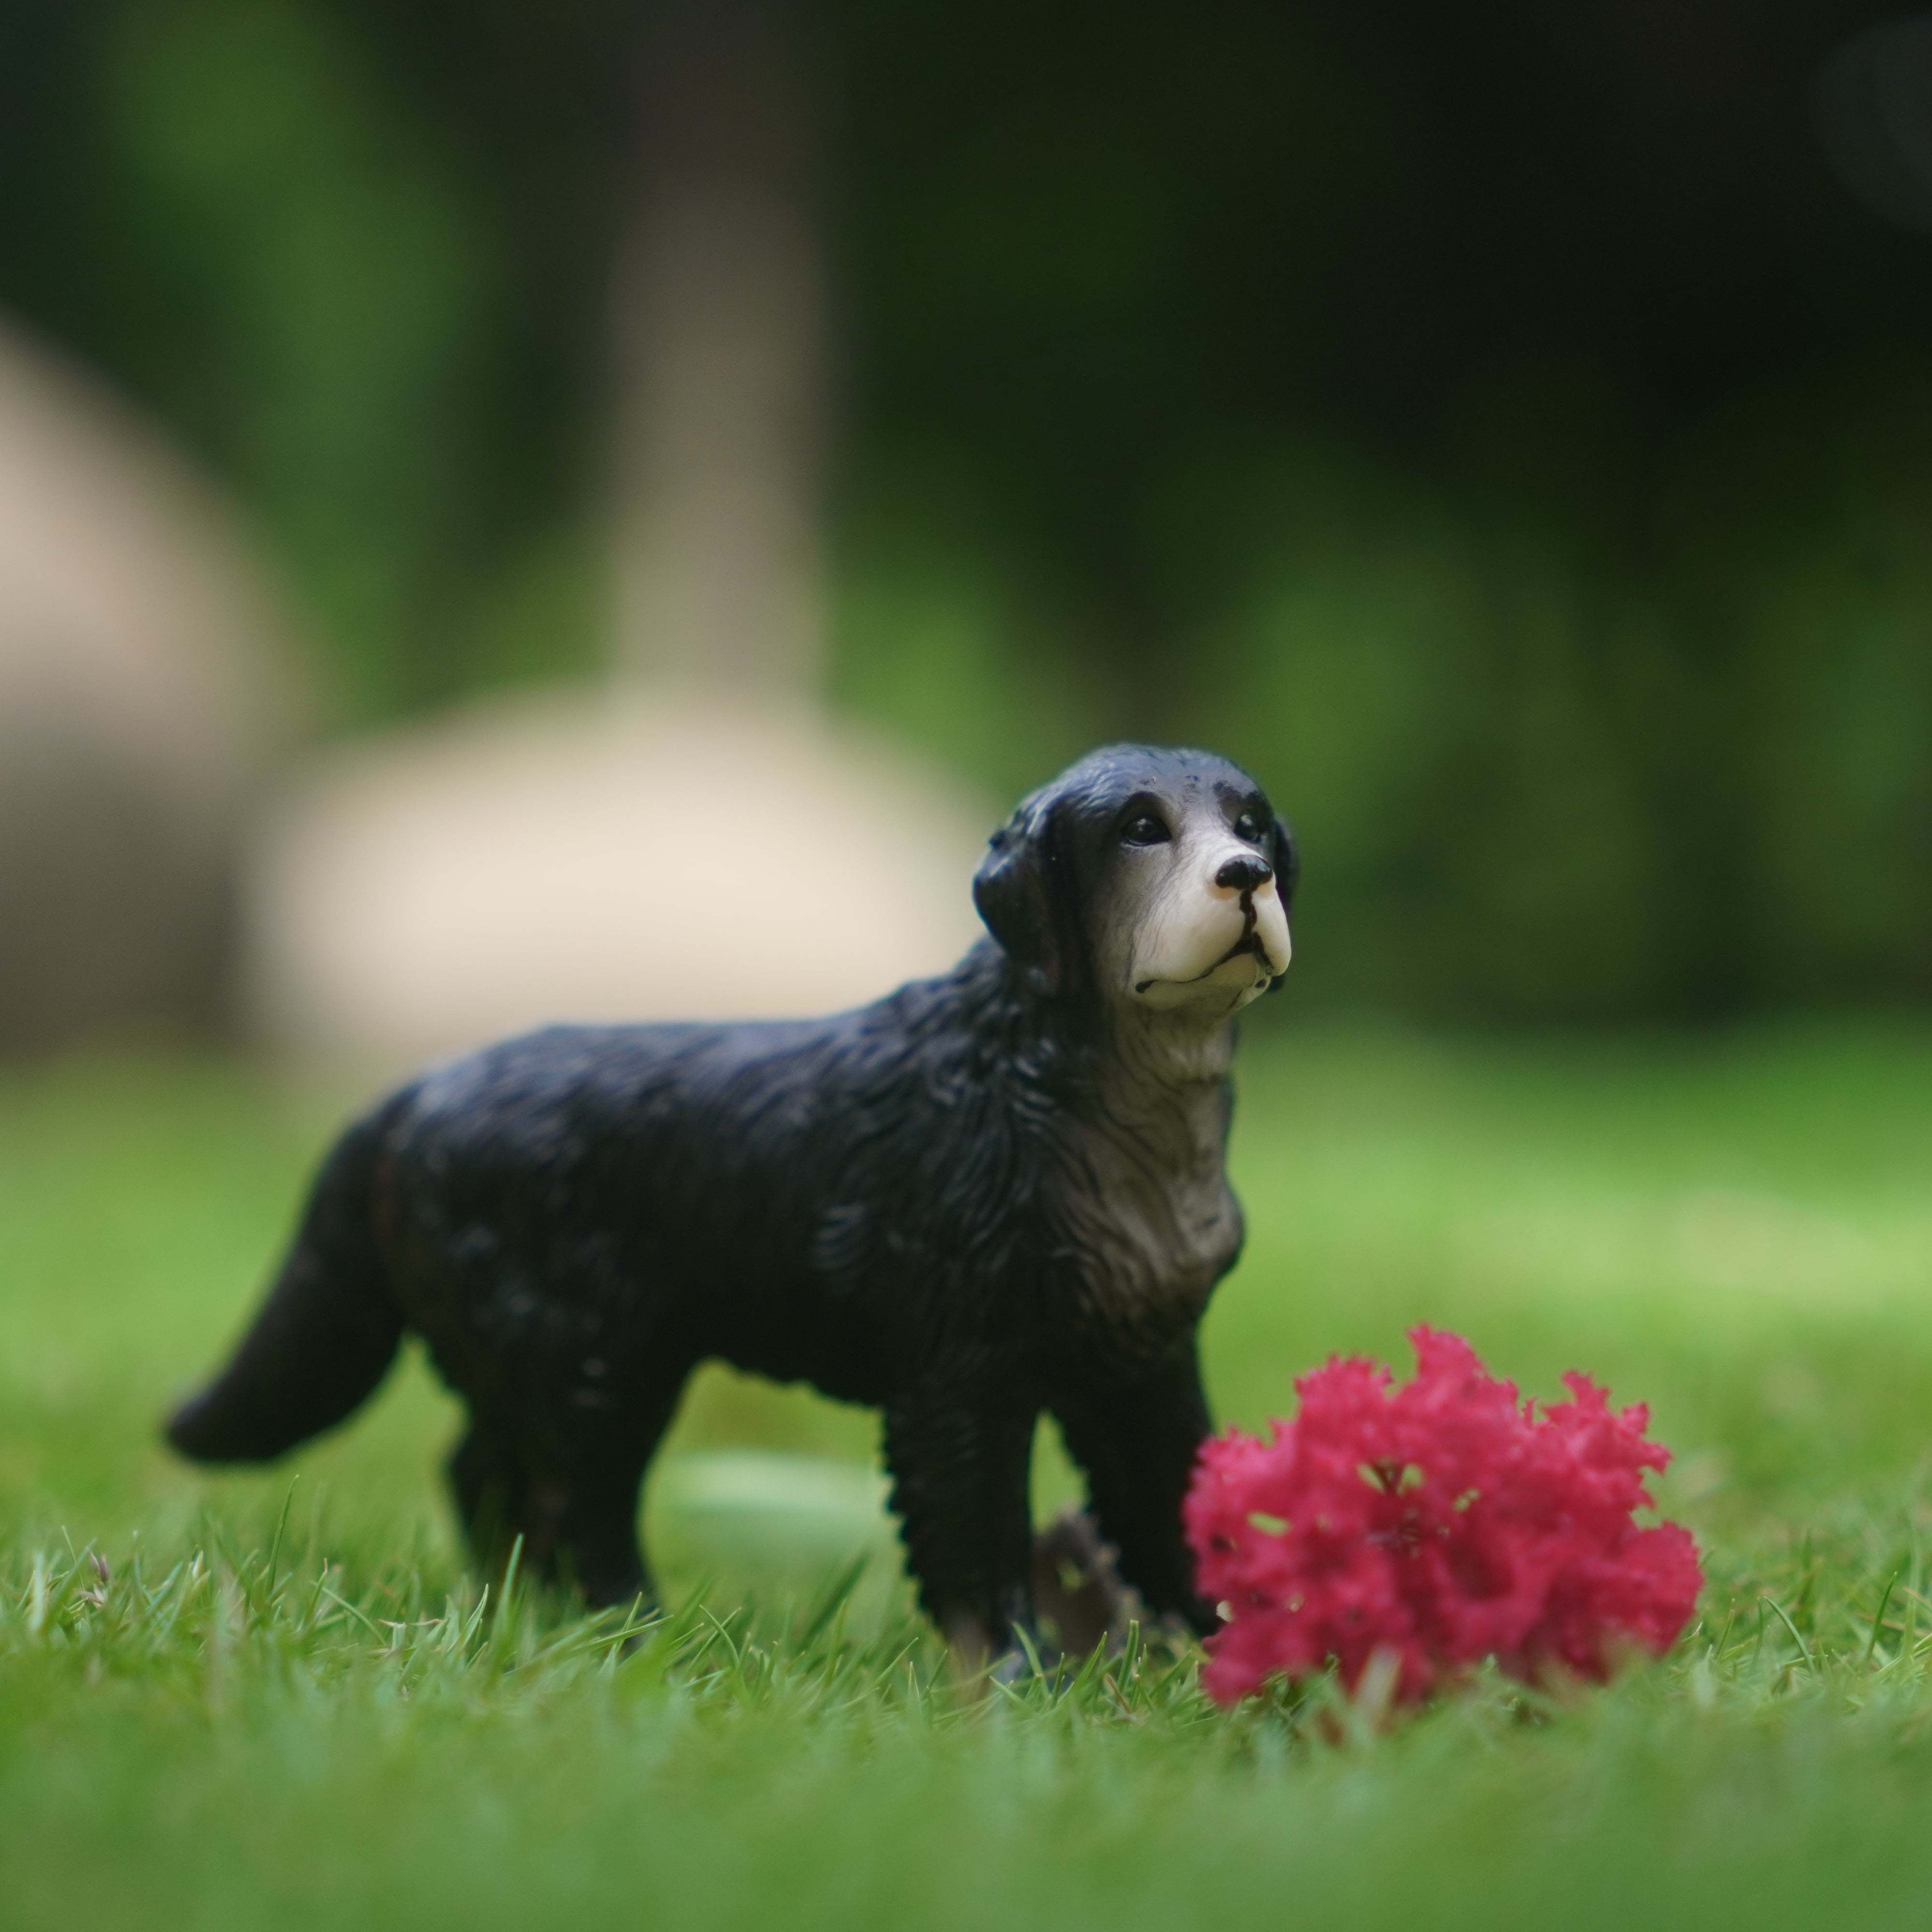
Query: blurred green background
point(1503, 430)
point(1507, 429)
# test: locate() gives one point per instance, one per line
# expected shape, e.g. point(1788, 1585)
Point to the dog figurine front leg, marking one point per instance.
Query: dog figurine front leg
point(1137, 1439)
point(960, 1458)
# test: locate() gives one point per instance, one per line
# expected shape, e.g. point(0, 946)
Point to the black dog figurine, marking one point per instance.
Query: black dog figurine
point(988, 1195)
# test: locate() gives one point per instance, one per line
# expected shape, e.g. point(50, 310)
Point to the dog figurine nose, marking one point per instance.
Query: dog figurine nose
point(1243, 874)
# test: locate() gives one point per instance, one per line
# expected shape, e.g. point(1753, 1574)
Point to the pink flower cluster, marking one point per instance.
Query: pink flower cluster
point(1441, 1522)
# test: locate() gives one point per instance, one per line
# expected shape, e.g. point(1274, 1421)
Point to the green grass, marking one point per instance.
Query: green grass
point(276, 1699)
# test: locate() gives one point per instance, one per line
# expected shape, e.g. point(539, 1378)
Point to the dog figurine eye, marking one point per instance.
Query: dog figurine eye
point(1145, 830)
point(1248, 826)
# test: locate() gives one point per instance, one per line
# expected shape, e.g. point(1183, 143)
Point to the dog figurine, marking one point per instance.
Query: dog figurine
point(988, 1195)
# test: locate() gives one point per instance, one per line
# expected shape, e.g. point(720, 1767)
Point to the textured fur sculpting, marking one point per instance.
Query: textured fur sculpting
point(988, 1195)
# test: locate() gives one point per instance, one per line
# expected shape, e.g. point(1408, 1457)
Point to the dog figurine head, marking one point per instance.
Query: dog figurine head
point(1160, 881)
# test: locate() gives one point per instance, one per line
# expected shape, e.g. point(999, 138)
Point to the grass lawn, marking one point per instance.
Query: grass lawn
point(274, 1699)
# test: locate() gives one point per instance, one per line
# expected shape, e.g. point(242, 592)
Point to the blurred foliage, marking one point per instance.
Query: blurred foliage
point(331, 268)
point(941, 628)
point(372, 312)
point(1500, 430)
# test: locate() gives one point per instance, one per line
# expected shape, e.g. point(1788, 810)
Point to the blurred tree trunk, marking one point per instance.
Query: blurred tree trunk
point(722, 363)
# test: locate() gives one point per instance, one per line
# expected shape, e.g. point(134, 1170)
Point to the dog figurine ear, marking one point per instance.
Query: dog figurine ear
point(1287, 877)
point(1022, 893)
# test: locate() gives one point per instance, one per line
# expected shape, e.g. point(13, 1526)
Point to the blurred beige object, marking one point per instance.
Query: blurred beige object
point(589, 857)
point(141, 691)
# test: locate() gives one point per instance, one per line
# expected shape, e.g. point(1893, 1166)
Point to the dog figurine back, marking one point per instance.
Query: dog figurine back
point(989, 1194)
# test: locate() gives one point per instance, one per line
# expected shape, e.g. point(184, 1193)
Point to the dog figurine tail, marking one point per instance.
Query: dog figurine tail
point(324, 1338)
